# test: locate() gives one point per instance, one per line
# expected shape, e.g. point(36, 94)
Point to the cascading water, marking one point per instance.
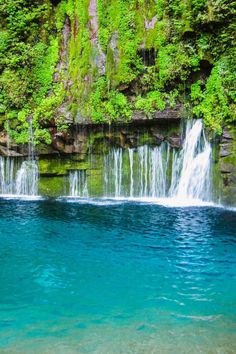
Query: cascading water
point(78, 183)
point(140, 172)
point(162, 172)
point(27, 176)
point(154, 172)
point(20, 180)
point(27, 179)
point(193, 166)
point(131, 162)
point(6, 175)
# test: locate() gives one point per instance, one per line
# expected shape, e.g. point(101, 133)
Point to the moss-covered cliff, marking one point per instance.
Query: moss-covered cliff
point(71, 61)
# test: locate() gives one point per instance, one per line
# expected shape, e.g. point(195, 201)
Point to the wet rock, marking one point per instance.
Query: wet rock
point(138, 116)
point(4, 151)
point(132, 140)
point(170, 113)
point(226, 167)
point(226, 136)
point(3, 139)
point(58, 144)
point(148, 56)
point(23, 149)
point(68, 149)
point(158, 138)
point(99, 56)
point(228, 180)
point(62, 66)
point(224, 152)
point(100, 60)
point(113, 44)
point(150, 24)
point(124, 132)
point(63, 111)
point(43, 149)
point(122, 140)
point(79, 147)
point(175, 141)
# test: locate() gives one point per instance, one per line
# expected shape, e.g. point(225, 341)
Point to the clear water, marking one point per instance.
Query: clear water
point(116, 278)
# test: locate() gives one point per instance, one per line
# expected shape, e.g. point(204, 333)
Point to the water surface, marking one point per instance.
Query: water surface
point(116, 278)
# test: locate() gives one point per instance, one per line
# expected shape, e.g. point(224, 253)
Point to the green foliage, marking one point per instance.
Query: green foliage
point(151, 103)
point(117, 107)
point(28, 56)
point(216, 102)
point(45, 60)
point(44, 112)
point(54, 55)
point(196, 92)
point(108, 106)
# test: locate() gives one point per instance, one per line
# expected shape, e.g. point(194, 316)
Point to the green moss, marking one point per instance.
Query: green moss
point(59, 166)
point(42, 66)
point(95, 182)
point(106, 105)
point(151, 103)
point(214, 103)
point(52, 186)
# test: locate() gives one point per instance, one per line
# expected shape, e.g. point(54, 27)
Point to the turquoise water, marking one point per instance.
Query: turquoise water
point(116, 278)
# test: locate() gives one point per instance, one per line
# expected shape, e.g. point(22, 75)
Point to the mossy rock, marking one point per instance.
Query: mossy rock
point(60, 166)
point(227, 166)
point(95, 184)
point(53, 186)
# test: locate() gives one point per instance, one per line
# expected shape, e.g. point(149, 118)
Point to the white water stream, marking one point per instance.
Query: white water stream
point(20, 178)
point(146, 172)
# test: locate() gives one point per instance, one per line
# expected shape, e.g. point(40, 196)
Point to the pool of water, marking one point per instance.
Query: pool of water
point(119, 277)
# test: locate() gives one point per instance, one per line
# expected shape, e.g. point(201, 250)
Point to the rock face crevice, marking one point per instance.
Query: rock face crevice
point(99, 55)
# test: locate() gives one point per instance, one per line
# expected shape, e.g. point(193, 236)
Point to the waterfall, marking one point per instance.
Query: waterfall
point(159, 160)
point(18, 179)
point(118, 160)
point(27, 176)
point(161, 171)
point(27, 179)
point(21, 180)
point(78, 183)
point(193, 167)
point(6, 175)
point(154, 172)
point(131, 162)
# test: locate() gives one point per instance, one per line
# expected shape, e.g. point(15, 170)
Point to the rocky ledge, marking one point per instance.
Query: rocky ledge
point(81, 134)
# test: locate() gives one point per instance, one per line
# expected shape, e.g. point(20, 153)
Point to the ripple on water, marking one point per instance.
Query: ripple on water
point(116, 278)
